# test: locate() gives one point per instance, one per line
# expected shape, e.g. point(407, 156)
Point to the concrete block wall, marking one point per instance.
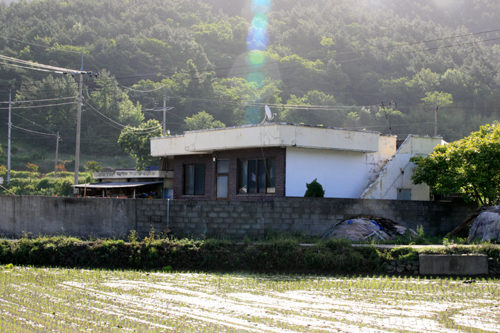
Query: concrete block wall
point(107, 217)
point(309, 216)
point(80, 217)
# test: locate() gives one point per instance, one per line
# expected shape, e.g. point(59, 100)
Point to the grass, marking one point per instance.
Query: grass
point(77, 300)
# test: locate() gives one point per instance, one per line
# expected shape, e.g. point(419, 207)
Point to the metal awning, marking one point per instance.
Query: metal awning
point(115, 185)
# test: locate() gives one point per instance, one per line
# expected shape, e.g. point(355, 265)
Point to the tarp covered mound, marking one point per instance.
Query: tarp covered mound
point(486, 226)
point(367, 227)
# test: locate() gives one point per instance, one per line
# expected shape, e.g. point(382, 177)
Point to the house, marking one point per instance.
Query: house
point(259, 162)
point(129, 183)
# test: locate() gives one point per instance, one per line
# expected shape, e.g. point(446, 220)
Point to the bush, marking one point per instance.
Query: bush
point(314, 189)
point(64, 189)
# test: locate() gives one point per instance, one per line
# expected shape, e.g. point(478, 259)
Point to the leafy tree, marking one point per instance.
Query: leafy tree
point(33, 168)
point(1, 150)
point(136, 142)
point(469, 166)
point(201, 121)
point(93, 166)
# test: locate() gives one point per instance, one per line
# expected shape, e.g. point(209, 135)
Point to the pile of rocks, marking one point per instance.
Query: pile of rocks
point(402, 266)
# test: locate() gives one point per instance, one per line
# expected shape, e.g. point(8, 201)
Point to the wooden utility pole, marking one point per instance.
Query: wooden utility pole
point(436, 117)
point(57, 157)
point(9, 136)
point(78, 125)
point(164, 110)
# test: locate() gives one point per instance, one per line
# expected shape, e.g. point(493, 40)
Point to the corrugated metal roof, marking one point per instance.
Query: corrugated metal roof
point(116, 185)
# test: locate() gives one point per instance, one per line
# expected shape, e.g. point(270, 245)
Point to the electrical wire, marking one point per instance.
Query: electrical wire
point(35, 69)
point(41, 100)
point(30, 131)
point(123, 126)
point(106, 117)
point(34, 64)
point(33, 122)
point(38, 106)
point(141, 91)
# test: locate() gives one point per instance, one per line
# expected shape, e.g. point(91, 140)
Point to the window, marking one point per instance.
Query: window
point(222, 179)
point(404, 194)
point(257, 176)
point(194, 179)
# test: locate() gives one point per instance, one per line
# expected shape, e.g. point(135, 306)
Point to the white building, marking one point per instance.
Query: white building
point(258, 162)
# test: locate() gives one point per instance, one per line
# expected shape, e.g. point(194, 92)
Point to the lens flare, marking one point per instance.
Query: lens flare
point(260, 21)
point(261, 6)
point(256, 79)
point(252, 116)
point(256, 57)
point(257, 39)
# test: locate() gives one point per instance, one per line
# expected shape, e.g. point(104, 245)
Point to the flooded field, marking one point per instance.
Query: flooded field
point(72, 300)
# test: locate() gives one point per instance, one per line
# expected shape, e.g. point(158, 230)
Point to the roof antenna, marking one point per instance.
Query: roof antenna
point(268, 116)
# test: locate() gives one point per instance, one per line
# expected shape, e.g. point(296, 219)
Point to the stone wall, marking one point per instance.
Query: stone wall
point(106, 217)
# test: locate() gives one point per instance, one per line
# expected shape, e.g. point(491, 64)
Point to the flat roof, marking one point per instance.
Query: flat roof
point(115, 185)
point(266, 135)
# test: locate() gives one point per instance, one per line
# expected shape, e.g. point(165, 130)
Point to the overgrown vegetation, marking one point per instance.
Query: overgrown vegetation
point(275, 254)
point(33, 183)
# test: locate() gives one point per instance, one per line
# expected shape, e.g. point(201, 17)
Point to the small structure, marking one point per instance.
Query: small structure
point(259, 162)
point(129, 183)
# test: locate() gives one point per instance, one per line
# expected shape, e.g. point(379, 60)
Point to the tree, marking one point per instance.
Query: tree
point(1, 150)
point(470, 166)
point(136, 142)
point(202, 120)
point(93, 166)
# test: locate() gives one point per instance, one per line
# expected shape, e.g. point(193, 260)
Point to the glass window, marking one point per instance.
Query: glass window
point(222, 179)
point(257, 176)
point(223, 166)
point(222, 187)
point(243, 176)
point(271, 174)
point(194, 179)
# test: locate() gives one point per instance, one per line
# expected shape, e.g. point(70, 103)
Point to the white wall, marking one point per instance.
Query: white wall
point(398, 171)
point(342, 174)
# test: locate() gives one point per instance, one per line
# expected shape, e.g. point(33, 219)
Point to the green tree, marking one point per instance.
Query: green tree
point(470, 166)
point(202, 120)
point(135, 141)
point(1, 150)
point(93, 166)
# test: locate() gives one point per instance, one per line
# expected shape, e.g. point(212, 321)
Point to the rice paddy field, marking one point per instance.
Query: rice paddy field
point(76, 300)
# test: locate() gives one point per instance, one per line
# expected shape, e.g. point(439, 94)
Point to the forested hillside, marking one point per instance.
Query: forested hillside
point(328, 62)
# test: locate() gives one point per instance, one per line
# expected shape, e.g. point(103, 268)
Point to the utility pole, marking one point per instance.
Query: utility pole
point(9, 136)
point(164, 110)
point(436, 118)
point(386, 118)
point(57, 151)
point(78, 125)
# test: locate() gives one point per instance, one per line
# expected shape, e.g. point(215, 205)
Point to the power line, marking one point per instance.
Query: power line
point(32, 122)
point(42, 100)
point(30, 131)
point(38, 106)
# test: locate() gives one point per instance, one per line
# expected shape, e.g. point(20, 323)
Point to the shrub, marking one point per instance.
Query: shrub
point(314, 189)
point(64, 188)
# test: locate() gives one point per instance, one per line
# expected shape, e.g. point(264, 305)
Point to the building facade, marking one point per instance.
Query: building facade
point(260, 162)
